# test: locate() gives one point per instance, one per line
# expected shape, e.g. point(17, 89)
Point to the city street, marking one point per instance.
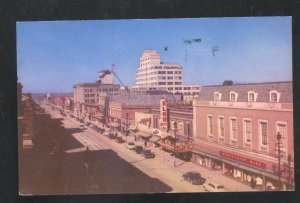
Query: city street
point(116, 169)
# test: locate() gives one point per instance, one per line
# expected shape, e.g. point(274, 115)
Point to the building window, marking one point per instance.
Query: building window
point(221, 128)
point(274, 96)
point(233, 130)
point(247, 132)
point(161, 83)
point(281, 127)
point(233, 96)
point(210, 126)
point(252, 96)
point(217, 96)
point(263, 134)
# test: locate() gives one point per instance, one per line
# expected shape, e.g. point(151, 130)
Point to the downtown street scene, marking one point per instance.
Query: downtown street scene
point(155, 106)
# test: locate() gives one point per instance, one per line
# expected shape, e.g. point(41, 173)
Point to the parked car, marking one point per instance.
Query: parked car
point(82, 127)
point(138, 149)
point(106, 134)
point(119, 140)
point(87, 124)
point(214, 187)
point(193, 177)
point(148, 154)
point(130, 145)
point(100, 130)
point(112, 136)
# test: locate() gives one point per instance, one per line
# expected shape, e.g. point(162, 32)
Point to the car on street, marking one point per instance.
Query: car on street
point(130, 145)
point(148, 154)
point(119, 140)
point(100, 130)
point(214, 187)
point(112, 136)
point(138, 149)
point(193, 177)
point(82, 127)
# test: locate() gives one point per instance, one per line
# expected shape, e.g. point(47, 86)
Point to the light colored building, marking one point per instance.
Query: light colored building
point(90, 93)
point(153, 74)
point(235, 129)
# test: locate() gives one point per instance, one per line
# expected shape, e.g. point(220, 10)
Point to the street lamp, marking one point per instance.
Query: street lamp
point(175, 140)
point(278, 146)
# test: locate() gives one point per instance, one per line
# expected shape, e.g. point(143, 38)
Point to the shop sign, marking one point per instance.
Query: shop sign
point(243, 160)
point(163, 113)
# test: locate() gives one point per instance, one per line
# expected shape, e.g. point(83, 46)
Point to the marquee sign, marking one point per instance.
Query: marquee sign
point(243, 160)
point(163, 113)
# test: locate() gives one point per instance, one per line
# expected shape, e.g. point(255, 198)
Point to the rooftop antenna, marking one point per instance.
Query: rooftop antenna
point(112, 70)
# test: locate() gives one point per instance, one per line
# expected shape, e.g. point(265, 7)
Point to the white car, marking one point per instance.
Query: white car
point(130, 145)
point(214, 187)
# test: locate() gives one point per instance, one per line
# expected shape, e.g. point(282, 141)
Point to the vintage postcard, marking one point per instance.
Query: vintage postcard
point(155, 106)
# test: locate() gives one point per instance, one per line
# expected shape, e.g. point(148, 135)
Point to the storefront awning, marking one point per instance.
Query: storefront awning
point(240, 165)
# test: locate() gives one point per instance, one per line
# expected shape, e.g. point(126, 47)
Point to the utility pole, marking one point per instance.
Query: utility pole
point(175, 140)
point(289, 168)
point(278, 147)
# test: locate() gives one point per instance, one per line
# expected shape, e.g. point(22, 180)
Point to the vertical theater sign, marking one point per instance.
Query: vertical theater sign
point(163, 113)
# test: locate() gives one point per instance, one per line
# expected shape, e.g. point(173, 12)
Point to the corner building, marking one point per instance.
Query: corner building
point(235, 130)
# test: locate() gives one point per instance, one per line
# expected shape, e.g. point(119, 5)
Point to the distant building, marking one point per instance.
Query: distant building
point(153, 74)
point(89, 93)
point(235, 130)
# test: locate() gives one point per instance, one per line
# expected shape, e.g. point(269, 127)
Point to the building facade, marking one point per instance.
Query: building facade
point(89, 94)
point(236, 130)
point(153, 74)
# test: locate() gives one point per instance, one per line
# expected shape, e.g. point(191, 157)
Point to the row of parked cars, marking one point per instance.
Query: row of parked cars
point(147, 153)
point(195, 178)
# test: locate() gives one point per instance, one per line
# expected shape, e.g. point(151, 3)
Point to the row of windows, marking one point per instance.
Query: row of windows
point(263, 133)
point(252, 96)
point(91, 100)
point(166, 67)
point(164, 72)
point(88, 90)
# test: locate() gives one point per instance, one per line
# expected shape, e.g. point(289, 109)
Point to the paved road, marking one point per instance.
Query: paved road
point(120, 170)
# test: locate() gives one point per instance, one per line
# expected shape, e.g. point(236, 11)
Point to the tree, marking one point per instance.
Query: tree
point(228, 82)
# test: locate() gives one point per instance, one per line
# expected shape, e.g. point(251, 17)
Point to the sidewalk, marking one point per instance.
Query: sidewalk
point(210, 175)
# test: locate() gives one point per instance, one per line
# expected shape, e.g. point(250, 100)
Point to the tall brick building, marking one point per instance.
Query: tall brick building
point(236, 129)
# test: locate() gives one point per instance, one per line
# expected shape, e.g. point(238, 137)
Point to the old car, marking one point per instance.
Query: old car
point(193, 177)
point(130, 145)
point(119, 140)
point(214, 187)
point(138, 149)
point(148, 154)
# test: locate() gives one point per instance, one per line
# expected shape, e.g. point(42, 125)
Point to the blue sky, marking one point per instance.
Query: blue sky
point(53, 56)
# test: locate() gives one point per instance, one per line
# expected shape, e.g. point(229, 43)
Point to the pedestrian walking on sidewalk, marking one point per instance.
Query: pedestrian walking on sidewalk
point(253, 182)
point(145, 143)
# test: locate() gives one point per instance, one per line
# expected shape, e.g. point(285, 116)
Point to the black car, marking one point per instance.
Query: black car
point(148, 154)
point(193, 177)
point(119, 140)
point(138, 149)
point(111, 136)
point(100, 130)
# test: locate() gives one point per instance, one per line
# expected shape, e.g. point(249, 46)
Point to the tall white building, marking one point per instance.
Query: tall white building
point(153, 74)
